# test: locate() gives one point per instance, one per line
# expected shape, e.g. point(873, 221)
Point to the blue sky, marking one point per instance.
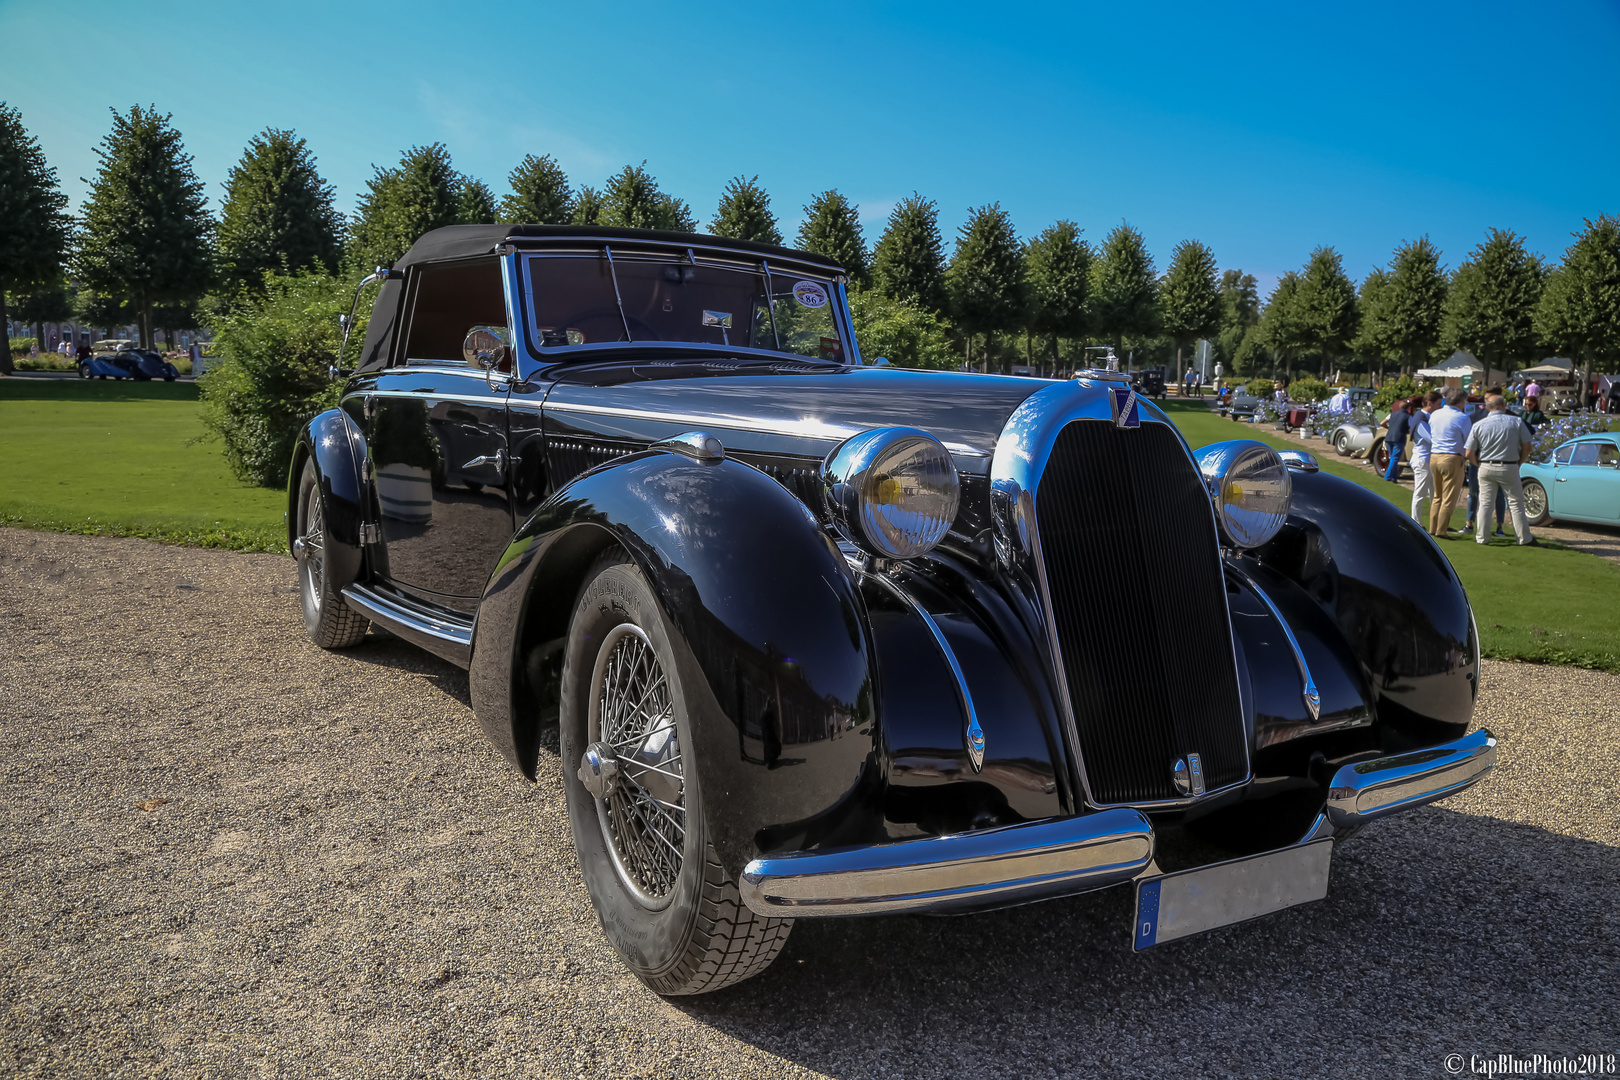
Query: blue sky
point(1263, 129)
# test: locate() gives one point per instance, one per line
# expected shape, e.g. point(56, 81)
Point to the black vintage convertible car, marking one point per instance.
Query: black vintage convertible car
point(821, 639)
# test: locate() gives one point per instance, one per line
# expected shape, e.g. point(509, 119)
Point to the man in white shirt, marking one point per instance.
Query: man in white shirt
point(1497, 446)
point(1340, 402)
point(1422, 444)
point(1448, 429)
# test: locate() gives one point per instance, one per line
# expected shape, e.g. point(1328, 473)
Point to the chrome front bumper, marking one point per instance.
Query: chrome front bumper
point(1039, 860)
point(996, 867)
point(1370, 789)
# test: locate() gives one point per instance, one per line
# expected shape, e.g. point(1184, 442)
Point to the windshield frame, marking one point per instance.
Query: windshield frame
point(524, 317)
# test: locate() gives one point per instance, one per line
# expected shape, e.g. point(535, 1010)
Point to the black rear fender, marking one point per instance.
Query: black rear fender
point(332, 442)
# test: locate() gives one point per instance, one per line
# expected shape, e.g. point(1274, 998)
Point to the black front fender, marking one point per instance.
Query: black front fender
point(1391, 593)
point(331, 440)
point(768, 620)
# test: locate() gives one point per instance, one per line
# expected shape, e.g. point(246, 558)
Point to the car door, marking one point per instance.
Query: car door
point(437, 433)
point(1589, 486)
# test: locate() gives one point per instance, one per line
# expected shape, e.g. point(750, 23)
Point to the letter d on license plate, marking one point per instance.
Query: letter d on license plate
point(1192, 901)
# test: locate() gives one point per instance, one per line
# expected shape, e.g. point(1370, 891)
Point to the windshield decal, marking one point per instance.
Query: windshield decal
point(810, 294)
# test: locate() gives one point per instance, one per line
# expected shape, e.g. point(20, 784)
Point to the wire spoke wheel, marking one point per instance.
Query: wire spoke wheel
point(314, 546)
point(1535, 500)
point(643, 816)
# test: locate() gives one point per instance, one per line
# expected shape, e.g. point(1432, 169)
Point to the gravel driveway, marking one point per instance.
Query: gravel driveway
point(230, 854)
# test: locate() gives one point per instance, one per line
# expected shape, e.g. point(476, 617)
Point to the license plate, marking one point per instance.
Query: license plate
point(1190, 902)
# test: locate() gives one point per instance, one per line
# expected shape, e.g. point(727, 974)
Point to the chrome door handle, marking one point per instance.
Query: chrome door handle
point(1560, 479)
point(498, 459)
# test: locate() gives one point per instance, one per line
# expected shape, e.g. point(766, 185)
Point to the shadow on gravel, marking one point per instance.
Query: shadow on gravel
point(1440, 930)
point(386, 650)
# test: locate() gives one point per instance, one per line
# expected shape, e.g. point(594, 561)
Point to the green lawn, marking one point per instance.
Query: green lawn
point(1548, 604)
point(121, 458)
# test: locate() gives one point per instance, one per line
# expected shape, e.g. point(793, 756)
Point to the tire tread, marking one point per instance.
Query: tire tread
point(730, 942)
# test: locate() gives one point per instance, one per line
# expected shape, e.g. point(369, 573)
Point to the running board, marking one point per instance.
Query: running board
point(433, 631)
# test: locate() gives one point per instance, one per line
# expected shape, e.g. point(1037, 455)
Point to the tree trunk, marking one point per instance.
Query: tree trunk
point(5, 321)
point(146, 322)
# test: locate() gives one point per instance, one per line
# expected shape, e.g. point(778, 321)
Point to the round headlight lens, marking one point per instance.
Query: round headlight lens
point(892, 492)
point(1251, 488)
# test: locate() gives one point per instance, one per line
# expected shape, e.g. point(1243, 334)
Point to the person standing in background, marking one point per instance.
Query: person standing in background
point(1449, 428)
point(1398, 423)
point(1533, 416)
point(1532, 389)
point(1220, 382)
point(1496, 447)
point(1422, 442)
point(1477, 415)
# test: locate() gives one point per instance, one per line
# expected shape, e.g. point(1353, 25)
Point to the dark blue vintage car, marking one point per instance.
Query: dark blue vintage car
point(141, 365)
point(818, 639)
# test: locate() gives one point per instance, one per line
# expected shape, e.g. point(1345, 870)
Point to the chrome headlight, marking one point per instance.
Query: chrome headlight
point(892, 492)
point(1251, 488)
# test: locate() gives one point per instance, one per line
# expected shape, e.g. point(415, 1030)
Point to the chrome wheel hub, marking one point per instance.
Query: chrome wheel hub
point(633, 767)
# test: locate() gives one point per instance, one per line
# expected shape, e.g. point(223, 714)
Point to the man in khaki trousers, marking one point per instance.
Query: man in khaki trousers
point(1448, 427)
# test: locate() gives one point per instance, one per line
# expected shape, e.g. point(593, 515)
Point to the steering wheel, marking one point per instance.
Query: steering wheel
point(606, 324)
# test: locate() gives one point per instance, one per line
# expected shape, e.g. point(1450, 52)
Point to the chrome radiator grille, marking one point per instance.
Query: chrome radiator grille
point(1139, 604)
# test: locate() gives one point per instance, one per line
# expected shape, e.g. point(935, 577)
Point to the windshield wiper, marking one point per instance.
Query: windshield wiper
point(613, 273)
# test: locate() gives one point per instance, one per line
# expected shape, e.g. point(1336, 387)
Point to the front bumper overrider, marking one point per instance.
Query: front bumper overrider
point(1039, 860)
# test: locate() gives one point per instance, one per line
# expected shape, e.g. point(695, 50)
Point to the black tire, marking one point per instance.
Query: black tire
point(682, 929)
point(1535, 503)
point(84, 371)
point(1341, 443)
point(329, 622)
point(169, 378)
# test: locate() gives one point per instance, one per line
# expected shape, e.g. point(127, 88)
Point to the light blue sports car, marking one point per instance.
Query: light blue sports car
point(1580, 483)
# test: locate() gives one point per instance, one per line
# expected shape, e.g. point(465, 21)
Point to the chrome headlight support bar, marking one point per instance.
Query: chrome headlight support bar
point(972, 733)
point(1313, 700)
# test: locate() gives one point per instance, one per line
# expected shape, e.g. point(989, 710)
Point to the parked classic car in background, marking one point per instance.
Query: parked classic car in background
point(127, 361)
point(822, 639)
point(1580, 483)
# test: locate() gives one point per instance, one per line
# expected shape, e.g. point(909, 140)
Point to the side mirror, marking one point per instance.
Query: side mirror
point(485, 347)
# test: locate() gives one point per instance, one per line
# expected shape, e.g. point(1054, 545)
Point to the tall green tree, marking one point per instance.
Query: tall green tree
point(985, 281)
point(33, 225)
point(1240, 313)
point(1414, 303)
point(1326, 307)
point(146, 227)
point(540, 194)
point(1282, 329)
point(832, 228)
point(745, 213)
point(631, 200)
point(1491, 308)
point(1375, 339)
point(1189, 298)
point(475, 203)
point(1124, 287)
point(421, 193)
point(587, 207)
point(909, 260)
point(278, 212)
point(1058, 267)
point(1579, 310)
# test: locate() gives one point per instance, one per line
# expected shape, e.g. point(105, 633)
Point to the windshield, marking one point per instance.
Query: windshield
point(588, 299)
